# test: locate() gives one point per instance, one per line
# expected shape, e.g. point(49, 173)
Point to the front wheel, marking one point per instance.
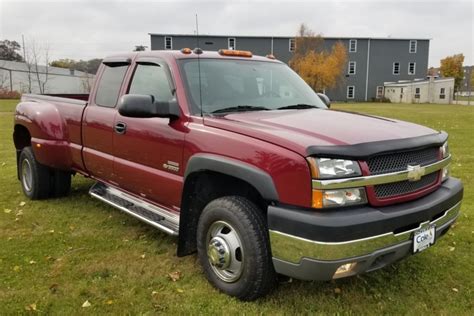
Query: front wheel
point(233, 248)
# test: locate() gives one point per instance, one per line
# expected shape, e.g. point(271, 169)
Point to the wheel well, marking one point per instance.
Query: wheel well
point(22, 139)
point(199, 189)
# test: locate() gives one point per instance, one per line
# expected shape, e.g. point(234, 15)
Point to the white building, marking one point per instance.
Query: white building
point(17, 76)
point(429, 90)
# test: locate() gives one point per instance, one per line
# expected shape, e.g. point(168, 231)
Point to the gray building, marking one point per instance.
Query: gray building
point(371, 61)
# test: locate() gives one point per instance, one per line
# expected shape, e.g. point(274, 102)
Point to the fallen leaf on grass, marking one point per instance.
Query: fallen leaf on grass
point(180, 290)
point(175, 276)
point(337, 290)
point(51, 231)
point(109, 302)
point(7, 211)
point(19, 213)
point(16, 268)
point(32, 262)
point(31, 307)
point(86, 304)
point(455, 289)
point(54, 288)
point(154, 293)
point(451, 248)
point(22, 203)
point(143, 256)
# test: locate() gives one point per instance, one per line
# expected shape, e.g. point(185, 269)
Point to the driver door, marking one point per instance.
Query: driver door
point(148, 151)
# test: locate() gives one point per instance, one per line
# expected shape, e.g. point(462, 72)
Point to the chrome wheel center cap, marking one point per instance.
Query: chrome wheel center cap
point(218, 253)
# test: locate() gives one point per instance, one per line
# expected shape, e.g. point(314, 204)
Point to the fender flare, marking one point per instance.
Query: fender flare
point(256, 177)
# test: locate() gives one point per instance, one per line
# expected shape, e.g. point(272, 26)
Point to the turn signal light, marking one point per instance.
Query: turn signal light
point(239, 53)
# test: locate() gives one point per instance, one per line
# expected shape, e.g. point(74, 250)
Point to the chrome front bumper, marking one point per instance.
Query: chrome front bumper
point(313, 244)
point(292, 248)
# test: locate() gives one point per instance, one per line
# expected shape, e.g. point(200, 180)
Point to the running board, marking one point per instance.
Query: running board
point(151, 214)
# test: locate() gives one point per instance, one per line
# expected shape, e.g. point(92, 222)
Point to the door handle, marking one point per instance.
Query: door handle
point(120, 128)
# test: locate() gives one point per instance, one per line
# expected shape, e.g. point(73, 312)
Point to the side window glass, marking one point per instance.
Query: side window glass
point(109, 86)
point(152, 80)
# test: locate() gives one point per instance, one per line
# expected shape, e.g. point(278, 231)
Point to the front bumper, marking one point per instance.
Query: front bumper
point(314, 244)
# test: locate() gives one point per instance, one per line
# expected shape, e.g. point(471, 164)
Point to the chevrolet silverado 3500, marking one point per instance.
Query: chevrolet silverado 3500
point(240, 159)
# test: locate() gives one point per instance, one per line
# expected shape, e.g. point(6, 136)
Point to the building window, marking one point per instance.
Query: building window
point(352, 46)
point(442, 93)
point(396, 68)
point(350, 92)
point(292, 44)
point(411, 68)
point(231, 43)
point(379, 94)
point(413, 46)
point(351, 70)
point(168, 42)
point(417, 93)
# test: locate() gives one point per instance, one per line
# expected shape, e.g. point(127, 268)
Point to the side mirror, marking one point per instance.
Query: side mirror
point(144, 106)
point(325, 99)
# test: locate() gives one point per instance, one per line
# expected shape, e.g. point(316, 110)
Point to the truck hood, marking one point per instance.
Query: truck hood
point(298, 130)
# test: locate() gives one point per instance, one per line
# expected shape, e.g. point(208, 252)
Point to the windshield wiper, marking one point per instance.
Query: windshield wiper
point(241, 108)
point(298, 106)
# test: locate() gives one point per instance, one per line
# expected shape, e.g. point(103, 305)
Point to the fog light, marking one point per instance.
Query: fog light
point(345, 268)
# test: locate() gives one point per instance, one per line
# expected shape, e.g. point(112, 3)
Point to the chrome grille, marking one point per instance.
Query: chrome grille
point(404, 187)
point(399, 161)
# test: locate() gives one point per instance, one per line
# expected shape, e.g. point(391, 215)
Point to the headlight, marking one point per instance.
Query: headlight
point(445, 173)
point(325, 168)
point(445, 150)
point(337, 198)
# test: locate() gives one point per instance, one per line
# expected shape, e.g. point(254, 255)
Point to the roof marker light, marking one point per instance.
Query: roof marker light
point(186, 51)
point(239, 53)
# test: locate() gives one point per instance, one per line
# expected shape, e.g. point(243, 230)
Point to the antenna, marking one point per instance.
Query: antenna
point(198, 52)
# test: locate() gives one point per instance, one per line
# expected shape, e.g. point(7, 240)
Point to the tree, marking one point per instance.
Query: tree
point(139, 48)
point(320, 68)
point(451, 66)
point(63, 63)
point(8, 50)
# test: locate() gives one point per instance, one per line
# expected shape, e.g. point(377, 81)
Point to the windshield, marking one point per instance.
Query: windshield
point(231, 84)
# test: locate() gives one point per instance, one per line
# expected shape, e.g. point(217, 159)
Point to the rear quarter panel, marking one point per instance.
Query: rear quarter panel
point(55, 130)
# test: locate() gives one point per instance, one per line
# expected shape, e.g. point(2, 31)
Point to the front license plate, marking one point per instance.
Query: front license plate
point(423, 238)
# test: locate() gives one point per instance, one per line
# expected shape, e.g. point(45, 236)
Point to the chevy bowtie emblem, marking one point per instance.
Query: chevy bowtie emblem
point(415, 172)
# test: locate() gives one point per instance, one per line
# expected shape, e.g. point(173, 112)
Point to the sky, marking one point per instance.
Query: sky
point(93, 29)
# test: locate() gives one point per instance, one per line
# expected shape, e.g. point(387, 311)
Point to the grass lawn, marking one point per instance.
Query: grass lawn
point(59, 253)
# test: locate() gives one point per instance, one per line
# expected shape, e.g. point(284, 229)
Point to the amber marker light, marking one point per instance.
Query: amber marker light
point(186, 51)
point(317, 200)
point(313, 167)
point(239, 53)
point(38, 145)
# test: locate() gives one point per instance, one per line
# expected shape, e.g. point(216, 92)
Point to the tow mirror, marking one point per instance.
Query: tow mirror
point(325, 99)
point(145, 106)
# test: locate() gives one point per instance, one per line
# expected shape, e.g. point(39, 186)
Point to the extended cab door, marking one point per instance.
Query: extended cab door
point(148, 153)
point(98, 120)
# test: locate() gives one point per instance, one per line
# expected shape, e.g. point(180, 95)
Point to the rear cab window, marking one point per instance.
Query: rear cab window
point(109, 85)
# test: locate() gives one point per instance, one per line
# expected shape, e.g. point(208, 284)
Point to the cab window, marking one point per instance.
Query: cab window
point(109, 86)
point(151, 79)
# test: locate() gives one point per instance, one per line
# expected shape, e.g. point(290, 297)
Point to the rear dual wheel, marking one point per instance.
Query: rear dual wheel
point(233, 248)
point(39, 181)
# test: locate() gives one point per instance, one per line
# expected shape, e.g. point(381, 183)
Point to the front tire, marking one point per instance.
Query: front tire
point(233, 248)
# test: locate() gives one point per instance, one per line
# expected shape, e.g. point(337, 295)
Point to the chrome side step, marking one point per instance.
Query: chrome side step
point(151, 214)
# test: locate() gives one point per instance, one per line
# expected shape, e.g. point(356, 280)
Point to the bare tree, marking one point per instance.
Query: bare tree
point(86, 82)
point(4, 77)
point(37, 62)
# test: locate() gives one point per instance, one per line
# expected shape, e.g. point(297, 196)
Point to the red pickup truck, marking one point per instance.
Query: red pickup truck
point(237, 156)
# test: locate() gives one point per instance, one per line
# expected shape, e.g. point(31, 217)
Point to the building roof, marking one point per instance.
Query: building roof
point(22, 67)
point(404, 83)
point(287, 37)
